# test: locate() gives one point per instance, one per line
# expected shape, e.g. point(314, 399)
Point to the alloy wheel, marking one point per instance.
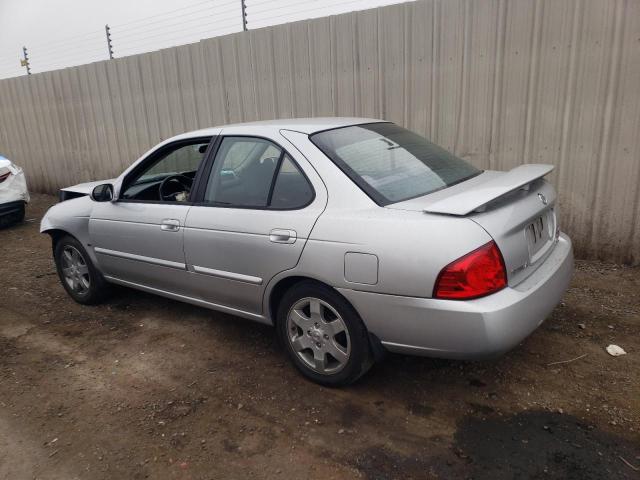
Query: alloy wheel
point(318, 335)
point(75, 270)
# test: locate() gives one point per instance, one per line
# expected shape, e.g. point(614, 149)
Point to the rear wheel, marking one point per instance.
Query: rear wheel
point(323, 335)
point(79, 277)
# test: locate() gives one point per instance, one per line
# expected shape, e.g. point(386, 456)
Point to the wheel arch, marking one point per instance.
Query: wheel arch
point(75, 230)
point(282, 285)
point(56, 234)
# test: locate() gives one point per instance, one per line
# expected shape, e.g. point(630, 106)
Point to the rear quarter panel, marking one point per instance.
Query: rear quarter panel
point(411, 247)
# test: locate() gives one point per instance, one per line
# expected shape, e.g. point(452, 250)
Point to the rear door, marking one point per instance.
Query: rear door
point(252, 219)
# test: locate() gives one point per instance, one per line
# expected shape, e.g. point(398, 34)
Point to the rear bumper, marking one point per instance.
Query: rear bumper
point(10, 208)
point(14, 190)
point(471, 329)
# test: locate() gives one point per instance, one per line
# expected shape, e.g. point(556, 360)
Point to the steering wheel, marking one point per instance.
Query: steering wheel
point(178, 183)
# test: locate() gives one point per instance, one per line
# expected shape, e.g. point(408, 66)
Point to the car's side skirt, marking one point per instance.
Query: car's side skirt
point(194, 301)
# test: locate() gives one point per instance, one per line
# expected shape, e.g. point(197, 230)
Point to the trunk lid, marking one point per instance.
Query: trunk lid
point(516, 208)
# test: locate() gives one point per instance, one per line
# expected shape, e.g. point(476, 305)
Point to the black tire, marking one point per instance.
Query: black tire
point(96, 290)
point(360, 357)
point(13, 218)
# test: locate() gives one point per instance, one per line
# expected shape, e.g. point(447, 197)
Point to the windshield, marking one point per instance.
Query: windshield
point(390, 163)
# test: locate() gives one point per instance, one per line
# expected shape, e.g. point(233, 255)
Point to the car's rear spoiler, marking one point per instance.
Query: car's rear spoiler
point(477, 197)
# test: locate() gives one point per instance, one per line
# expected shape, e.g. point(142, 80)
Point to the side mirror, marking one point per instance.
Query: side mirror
point(102, 193)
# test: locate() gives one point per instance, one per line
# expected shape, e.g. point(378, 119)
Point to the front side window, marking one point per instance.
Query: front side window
point(390, 163)
point(168, 177)
point(255, 173)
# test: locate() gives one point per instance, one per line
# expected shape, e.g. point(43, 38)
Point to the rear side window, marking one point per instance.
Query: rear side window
point(390, 163)
point(256, 173)
point(243, 171)
point(291, 190)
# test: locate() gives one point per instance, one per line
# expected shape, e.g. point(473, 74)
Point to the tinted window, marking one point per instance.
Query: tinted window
point(292, 190)
point(391, 163)
point(243, 171)
point(252, 172)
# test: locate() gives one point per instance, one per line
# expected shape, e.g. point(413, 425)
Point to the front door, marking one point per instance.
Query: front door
point(252, 222)
point(139, 238)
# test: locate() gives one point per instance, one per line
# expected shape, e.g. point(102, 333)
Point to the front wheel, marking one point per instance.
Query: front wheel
point(323, 335)
point(79, 277)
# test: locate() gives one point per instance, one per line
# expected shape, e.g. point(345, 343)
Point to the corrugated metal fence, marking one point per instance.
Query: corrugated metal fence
point(499, 82)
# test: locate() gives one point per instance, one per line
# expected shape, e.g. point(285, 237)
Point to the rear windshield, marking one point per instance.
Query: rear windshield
point(390, 163)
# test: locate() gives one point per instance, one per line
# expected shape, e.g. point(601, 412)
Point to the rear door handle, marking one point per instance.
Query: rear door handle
point(170, 225)
point(279, 235)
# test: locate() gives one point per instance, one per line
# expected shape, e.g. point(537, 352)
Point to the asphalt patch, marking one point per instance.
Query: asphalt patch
point(542, 444)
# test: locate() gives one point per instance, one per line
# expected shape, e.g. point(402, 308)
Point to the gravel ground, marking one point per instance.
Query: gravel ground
point(145, 387)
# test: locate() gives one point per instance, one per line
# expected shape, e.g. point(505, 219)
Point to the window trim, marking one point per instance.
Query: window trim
point(197, 199)
point(153, 156)
point(276, 174)
point(368, 190)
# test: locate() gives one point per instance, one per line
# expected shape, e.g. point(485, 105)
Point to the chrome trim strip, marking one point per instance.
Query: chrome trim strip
point(238, 277)
point(404, 347)
point(194, 301)
point(140, 258)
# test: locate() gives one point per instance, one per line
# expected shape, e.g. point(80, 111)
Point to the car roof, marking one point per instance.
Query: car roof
point(303, 125)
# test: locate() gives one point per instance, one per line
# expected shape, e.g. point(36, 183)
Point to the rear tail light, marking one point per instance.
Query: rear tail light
point(477, 274)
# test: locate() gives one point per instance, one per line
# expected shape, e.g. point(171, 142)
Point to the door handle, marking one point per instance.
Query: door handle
point(170, 225)
point(278, 235)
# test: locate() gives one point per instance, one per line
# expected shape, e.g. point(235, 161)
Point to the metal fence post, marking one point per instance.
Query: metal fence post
point(25, 60)
point(243, 4)
point(107, 30)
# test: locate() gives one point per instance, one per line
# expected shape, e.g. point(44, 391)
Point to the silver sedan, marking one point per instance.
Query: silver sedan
point(351, 236)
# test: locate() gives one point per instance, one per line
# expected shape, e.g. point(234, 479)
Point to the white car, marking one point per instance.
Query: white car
point(13, 193)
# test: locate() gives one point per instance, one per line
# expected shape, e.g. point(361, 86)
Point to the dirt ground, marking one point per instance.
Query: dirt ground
point(145, 387)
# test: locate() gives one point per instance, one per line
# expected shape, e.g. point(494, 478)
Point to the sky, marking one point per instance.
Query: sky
point(62, 33)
